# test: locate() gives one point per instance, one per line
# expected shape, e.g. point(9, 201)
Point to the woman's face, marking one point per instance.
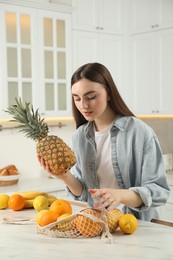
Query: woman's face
point(90, 98)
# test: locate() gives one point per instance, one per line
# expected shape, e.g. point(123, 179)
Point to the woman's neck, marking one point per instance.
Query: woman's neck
point(103, 122)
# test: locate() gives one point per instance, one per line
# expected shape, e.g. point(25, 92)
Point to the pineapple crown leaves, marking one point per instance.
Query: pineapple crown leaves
point(30, 121)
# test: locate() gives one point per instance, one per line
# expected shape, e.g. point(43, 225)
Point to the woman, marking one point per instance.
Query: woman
point(119, 160)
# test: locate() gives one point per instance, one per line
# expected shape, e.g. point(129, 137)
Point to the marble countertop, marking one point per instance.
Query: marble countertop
point(150, 241)
point(17, 241)
point(43, 183)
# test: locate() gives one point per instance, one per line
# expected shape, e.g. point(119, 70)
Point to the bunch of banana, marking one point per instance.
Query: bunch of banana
point(29, 197)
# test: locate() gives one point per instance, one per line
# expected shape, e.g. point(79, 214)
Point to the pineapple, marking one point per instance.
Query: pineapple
point(51, 148)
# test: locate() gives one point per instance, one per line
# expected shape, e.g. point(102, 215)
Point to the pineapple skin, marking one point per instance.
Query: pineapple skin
point(56, 153)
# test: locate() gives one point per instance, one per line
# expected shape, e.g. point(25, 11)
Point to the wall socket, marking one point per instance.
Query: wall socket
point(168, 161)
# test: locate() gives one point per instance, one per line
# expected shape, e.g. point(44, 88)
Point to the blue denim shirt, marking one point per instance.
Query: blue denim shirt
point(137, 162)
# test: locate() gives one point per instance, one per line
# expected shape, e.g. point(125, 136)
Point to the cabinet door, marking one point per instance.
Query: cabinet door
point(35, 51)
point(150, 76)
point(110, 53)
point(143, 83)
point(84, 15)
point(55, 63)
point(18, 51)
point(103, 48)
point(98, 15)
point(84, 48)
point(150, 15)
point(164, 45)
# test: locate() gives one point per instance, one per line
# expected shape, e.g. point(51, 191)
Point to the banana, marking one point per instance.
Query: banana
point(29, 195)
point(29, 204)
point(51, 200)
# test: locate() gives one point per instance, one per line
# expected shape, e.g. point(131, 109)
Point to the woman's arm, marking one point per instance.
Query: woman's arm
point(72, 183)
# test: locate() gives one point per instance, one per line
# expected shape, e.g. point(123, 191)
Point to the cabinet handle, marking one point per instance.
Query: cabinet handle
point(154, 26)
point(101, 28)
point(97, 27)
point(155, 111)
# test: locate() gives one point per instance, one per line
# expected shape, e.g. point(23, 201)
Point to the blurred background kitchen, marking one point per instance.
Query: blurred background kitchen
point(42, 42)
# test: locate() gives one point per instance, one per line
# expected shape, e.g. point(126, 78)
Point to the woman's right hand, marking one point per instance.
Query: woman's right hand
point(47, 168)
point(43, 164)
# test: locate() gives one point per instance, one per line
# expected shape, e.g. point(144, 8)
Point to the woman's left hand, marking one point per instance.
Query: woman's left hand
point(105, 198)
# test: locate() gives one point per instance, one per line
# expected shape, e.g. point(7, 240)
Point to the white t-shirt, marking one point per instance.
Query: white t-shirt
point(104, 166)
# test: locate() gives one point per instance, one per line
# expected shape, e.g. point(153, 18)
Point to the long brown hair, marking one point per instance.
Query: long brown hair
point(97, 72)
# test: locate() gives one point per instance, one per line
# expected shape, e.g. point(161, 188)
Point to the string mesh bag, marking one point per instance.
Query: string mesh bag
point(86, 223)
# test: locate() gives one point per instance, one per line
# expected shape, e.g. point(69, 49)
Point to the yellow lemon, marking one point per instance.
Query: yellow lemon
point(40, 203)
point(4, 201)
point(66, 224)
point(63, 216)
point(128, 223)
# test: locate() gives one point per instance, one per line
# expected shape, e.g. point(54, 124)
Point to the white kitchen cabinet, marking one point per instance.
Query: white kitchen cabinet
point(150, 72)
point(103, 48)
point(35, 52)
point(98, 15)
point(149, 15)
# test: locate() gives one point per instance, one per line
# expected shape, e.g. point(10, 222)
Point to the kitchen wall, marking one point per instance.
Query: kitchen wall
point(163, 127)
point(17, 149)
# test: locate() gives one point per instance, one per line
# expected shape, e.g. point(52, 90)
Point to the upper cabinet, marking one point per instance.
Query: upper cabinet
point(98, 15)
point(35, 64)
point(149, 56)
point(98, 35)
point(149, 15)
point(150, 73)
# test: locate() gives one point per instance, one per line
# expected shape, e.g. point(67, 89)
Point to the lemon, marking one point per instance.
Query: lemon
point(4, 201)
point(40, 203)
point(128, 223)
point(63, 216)
point(64, 225)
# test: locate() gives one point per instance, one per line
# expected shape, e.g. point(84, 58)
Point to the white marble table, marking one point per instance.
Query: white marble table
point(42, 183)
point(22, 242)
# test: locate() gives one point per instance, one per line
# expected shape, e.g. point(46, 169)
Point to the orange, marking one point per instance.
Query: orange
point(112, 217)
point(87, 226)
point(47, 218)
point(61, 207)
point(16, 202)
point(39, 215)
point(128, 223)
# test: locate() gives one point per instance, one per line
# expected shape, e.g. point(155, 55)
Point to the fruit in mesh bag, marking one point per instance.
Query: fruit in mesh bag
point(52, 149)
point(86, 226)
point(66, 222)
point(112, 217)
